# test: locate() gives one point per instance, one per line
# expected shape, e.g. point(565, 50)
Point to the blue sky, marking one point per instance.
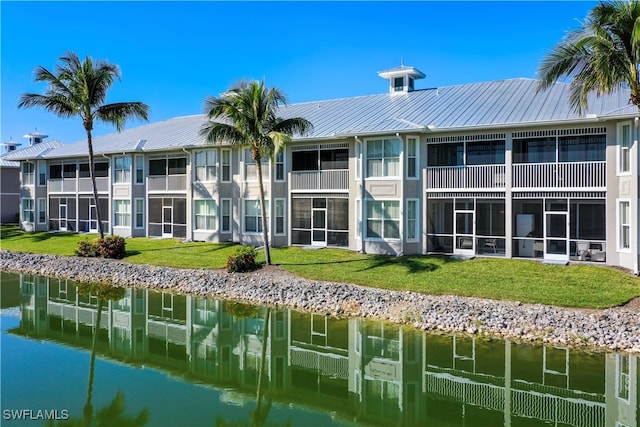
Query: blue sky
point(174, 54)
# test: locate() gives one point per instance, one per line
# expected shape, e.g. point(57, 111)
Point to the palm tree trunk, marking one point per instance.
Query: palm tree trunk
point(92, 172)
point(263, 208)
point(260, 416)
point(88, 407)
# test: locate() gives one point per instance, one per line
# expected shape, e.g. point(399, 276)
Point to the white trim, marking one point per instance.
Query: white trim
point(206, 165)
point(416, 219)
point(32, 210)
point(383, 158)
point(416, 156)
point(139, 160)
point(214, 214)
point(284, 166)
point(619, 225)
point(115, 204)
point(619, 148)
point(116, 170)
point(259, 223)
point(366, 220)
point(41, 163)
point(135, 213)
point(222, 165)
point(41, 201)
point(230, 215)
point(284, 217)
point(618, 375)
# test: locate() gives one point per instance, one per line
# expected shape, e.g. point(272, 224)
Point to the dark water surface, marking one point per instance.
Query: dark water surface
point(163, 359)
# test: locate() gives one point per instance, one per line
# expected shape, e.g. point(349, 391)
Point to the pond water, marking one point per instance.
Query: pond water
point(162, 359)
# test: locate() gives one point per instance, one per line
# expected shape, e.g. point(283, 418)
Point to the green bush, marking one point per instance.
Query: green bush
point(109, 247)
point(242, 260)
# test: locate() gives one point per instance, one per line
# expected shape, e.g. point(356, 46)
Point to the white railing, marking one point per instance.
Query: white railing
point(448, 177)
point(62, 185)
point(327, 363)
point(84, 184)
point(167, 183)
point(337, 179)
point(560, 175)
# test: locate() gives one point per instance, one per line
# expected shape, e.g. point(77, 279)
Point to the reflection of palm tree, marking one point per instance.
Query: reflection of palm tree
point(260, 414)
point(111, 415)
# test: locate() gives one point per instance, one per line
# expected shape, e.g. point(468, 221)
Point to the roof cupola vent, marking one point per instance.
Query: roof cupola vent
point(35, 137)
point(401, 78)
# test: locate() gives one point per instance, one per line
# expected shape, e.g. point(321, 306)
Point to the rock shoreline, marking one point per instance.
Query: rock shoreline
point(615, 328)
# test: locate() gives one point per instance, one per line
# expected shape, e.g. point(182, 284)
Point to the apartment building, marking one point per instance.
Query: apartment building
point(483, 169)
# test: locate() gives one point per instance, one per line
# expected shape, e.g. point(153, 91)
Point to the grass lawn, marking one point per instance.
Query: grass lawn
point(518, 280)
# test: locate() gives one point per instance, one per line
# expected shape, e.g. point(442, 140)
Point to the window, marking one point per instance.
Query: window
point(122, 213)
point(42, 211)
point(251, 170)
point(206, 165)
point(622, 377)
point(226, 165)
point(280, 166)
point(177, 166)
point(27, 210)
point(624, 238)
point(412, 219)
point(534, 150)
point(412, 158)
point(122, 169)
point(585, 148)
point(624, 146)
point(139, 213)
point(485, 153)
point(279, 215)
point(101, 170)
point(445, 154)
point(398, 84)
point(69, 170)
point(253, 216)
point(383, 219)
point(226, 215)
point(42, 174)
point(55, 172)
point(206, 215)
point(157, 167)
point(139, 169)
point(28, 173)
point(383, 158)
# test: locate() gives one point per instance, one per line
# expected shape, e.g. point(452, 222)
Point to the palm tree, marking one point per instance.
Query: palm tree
point(79, 88)
point(248, 114)
point(601, 56)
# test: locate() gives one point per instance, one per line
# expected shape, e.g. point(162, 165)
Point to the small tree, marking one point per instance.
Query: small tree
point(249, 118)
point(79, 89)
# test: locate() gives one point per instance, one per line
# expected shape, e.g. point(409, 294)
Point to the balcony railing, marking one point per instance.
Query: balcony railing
point(449, 177)
point(102, 183)
point(573, 175)
point(560, 175)
point(163, 183)
point(337, 179)
point(62, 185)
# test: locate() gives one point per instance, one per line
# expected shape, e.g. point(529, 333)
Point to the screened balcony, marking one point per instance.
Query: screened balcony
point(167, 175)
point(323, 167)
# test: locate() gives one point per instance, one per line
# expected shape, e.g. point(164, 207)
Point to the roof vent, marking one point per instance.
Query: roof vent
point(35, 137)
point(401, 78)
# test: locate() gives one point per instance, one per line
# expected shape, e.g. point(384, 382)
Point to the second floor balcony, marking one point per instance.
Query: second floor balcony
point(167, 183)
point(524, 176)
point(324, 180)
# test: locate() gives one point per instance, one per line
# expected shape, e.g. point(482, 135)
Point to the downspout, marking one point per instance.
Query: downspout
point(402, 201)
point(189, 197)
point(362, 194)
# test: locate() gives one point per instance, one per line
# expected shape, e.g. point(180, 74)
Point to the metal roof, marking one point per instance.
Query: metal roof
point(7, 164)
point(475, 106)
point(35, 151)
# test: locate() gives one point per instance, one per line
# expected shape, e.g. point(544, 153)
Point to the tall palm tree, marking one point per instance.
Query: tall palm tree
point(248, 115)
point(601, 56)
point(79, 89)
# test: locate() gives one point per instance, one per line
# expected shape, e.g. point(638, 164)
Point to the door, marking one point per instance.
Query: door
point(464, 222)
point(167, 221)
point(556, 245)
point(63, 215)
point(93, 218)
point(319, 222)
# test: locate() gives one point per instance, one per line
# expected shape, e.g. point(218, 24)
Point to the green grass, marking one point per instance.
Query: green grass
point(517, 280)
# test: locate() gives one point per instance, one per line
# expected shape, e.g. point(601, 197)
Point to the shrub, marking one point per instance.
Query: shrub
point(242, 260)
point(109, 247)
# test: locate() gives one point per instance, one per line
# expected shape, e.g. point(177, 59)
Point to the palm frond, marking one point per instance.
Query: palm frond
point(118, 113)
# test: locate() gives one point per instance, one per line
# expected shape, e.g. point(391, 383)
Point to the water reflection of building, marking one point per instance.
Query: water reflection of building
point(373, 372)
